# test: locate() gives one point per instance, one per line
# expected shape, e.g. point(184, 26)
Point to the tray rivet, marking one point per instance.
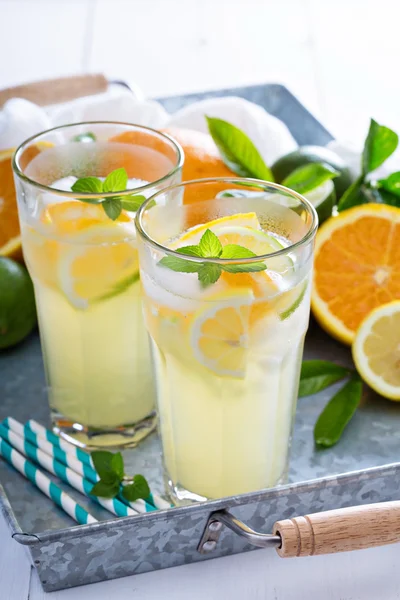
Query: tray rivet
point(215, 526)
point(209, 546)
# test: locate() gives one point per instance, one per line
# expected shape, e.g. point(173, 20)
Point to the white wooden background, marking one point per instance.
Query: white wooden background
point(341, 60)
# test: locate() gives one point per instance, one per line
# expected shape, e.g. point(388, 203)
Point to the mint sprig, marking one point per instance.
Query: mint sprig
point(210, 247)
point(116, 181)
point(111, 470)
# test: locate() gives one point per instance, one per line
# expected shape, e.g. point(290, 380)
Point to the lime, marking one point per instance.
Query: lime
point(313, 154)
point(323, 198)
point(17, 303)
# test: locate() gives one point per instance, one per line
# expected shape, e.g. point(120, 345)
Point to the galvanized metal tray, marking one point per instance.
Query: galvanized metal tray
point(356, 471)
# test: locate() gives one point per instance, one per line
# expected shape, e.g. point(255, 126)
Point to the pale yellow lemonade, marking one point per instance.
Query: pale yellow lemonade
point(85, 272)
point(227, 358)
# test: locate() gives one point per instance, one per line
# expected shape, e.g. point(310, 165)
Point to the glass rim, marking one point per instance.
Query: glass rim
point(232, 180)
point(70, 194)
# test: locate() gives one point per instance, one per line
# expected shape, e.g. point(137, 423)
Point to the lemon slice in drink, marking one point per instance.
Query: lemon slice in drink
point(99, 265)
point(376, 350)
point(220, 333)
point(193, 235)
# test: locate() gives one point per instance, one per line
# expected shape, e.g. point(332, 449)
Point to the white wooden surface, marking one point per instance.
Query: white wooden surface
point(341, 60)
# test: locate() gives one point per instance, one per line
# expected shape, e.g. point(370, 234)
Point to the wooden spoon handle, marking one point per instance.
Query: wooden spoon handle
point(340, 530)
point(53, 91)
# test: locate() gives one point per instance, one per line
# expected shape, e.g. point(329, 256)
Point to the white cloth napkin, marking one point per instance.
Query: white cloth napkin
point(21, 119)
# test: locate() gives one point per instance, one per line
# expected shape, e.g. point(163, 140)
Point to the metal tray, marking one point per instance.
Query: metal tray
point(66, 555)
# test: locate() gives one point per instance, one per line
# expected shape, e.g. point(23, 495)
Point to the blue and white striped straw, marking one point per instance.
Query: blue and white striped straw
point(64, 473)
point(45, 485)
point(33, 428)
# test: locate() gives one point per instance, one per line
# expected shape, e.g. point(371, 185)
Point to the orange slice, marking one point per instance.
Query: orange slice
point(357, 267)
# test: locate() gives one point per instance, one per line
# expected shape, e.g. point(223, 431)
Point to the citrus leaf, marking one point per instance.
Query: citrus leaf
point(337, 413)
point(380, 143)
point(391, 184)
point(210, 246)
point(138, 489)
point(116, 181)
point(316, 375)
point(308, 177)
point(353, 196)
point(87, 185)
point(237, 151)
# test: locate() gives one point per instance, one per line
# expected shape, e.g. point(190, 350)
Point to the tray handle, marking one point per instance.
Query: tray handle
point(53, 91)
point(340, 530)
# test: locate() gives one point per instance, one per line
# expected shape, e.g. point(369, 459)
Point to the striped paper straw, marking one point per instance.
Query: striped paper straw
point(45, 485)
point(35, 428)
point(66, 458)
point(57, 441)
point(64, 473)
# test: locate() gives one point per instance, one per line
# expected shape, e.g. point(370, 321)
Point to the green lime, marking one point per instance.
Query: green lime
point(313, 154)
point(323, 198)
point(17, 303)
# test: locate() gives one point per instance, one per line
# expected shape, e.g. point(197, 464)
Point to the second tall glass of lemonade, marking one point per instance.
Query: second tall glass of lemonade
point(226, 274)
point(78, 188)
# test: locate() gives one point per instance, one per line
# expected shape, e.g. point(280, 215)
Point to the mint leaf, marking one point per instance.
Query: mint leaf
point(189, 250)
point(337, 413)
point(138, 489)
point(210, 246)
point(353, 196)
point(85, 137)
point(87, 185)
point(117, 464)
point(112, 207)
point(236, 251)
point(316, 375)
point(105, 490)
point(208, 273)
point(308, 177)
point(103, 463)
point(237, 151)
point(116, 181)
point(131, 203)
point(179, 264)
point(380, 143)
point(245, 268)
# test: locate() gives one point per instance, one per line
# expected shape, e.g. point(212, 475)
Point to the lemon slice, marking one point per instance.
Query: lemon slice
point(220, 333)
point(376, 350)
point(99, 265)
point(194, 234)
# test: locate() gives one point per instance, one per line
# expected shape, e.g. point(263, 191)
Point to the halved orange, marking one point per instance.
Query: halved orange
point(357, 267)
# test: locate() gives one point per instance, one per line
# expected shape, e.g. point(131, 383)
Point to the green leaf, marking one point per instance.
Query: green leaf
point(316, 375)
point(85, 137)
point(105, 490)
point(131, 203)
point(380, 143)
point(337, 413)
point(308, 177)
point(179, 264)
point(353, 196)
point(210, 246)
point(112, 207)
point(384, 197)
point(237, 150)
point(102, 461)
point(236, 251)
point(245, 268)
point(117, 464)
point(189, 250)
point(138, 489)
point(87, 185)
point(209, 273)
point(116, 181)
point(391, 184)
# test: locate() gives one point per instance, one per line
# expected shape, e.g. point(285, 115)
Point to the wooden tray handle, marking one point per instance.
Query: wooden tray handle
point(53, 91)
point(340, 530)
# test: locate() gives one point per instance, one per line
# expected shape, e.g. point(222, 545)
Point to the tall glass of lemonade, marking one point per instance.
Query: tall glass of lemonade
point(225, 267)
point(78, 189)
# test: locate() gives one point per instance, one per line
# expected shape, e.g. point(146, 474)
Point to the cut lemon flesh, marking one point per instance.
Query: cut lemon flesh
point(220, 333)
point(376, 350)
point(194, 234)
point(356, 267)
